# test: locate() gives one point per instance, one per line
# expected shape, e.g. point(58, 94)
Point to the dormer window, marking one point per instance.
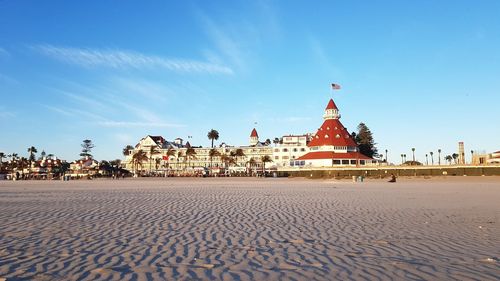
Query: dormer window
point(326, 136)
point(337, 136)
point(328, 128)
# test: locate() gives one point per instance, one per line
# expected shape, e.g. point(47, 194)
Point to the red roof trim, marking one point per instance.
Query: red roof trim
point(316, 155)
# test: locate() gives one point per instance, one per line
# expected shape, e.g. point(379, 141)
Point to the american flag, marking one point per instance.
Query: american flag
point(335, 86)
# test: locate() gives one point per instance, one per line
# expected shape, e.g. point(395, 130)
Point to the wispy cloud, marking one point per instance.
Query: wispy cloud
point(224, 42)
point(7, 79)
point(123, 59)
point(59, 110)
point(290, 119)
point(322, 57)
point(5, 113)
point(4, 53)
point(127, 124)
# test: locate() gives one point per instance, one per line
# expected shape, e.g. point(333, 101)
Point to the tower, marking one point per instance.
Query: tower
point(254, 137)
point(461, 153)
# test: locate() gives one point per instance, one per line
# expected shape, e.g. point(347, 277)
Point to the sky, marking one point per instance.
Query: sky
point(422, 74)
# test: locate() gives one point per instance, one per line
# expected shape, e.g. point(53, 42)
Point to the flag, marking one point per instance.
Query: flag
point(165, 157)
point(335, 86)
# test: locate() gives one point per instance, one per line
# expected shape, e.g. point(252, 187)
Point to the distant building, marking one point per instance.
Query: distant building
point(332, 145)
point(290, 148)
point(486, 159)
point(179, 161)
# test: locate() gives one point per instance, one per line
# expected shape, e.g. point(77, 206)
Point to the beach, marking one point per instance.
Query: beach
point(250, 229)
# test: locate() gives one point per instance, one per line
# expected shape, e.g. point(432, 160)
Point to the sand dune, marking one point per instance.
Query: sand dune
point(250, 229)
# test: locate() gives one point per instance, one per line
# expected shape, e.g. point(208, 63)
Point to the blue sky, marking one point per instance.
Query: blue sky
point(421, 74)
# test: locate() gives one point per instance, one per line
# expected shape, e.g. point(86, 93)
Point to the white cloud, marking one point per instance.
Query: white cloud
point(59, 110)
point(122, 124)
point(121, 59)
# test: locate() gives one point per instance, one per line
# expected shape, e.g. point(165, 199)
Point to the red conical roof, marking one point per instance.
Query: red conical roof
point(254, 134)
point(332, 132)
point(331, 105)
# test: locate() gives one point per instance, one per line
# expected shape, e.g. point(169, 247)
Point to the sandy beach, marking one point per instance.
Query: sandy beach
point(250, 229)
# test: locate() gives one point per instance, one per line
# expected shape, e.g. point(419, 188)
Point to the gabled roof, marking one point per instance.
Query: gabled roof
point(254, 134)
point(331, 105)
point(332, 155)
point(333, 133)
point(158, 139)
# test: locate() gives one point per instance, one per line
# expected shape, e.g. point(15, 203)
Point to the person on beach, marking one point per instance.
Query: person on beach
point(393, 178)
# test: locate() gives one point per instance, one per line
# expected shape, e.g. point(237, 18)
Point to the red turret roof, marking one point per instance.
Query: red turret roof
point(333, 133)
point(331, 105)
point(254, 134)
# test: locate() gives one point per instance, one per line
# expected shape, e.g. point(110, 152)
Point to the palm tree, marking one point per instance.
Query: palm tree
point(439, 156)
point(225, 159)
point(413, 151)
point(213, 153)
point(2, 156)
point(238, 153)
point(402, 160)
point(170, 152)
point(190, 153)
point(264, 159)
point(137, 159)
point(404, 155)
point(471, 157)
point(386, 161)
point(448, 158)
point(251, 163)
point(127, 149)
point(157, 163)
point(152, 151)
point(432, 157)
point(179, 155)
point(426, 159)
point(21, 163)
point(213, 135)
point(32, 150)
point(455, 157)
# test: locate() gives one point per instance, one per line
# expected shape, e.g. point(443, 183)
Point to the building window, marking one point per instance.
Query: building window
point(295, 150)
point(353, 162)
point(285, 149)
point(336, 162)
point(302, 149)
point(345, 162)
point(276, 157)
point(326, 136)
point(276, 150)
point(285, 157)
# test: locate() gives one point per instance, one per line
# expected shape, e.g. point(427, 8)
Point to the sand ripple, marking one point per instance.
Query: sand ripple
point(247, 229)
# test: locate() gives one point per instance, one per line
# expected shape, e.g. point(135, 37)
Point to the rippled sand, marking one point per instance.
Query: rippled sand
point(250, 229)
